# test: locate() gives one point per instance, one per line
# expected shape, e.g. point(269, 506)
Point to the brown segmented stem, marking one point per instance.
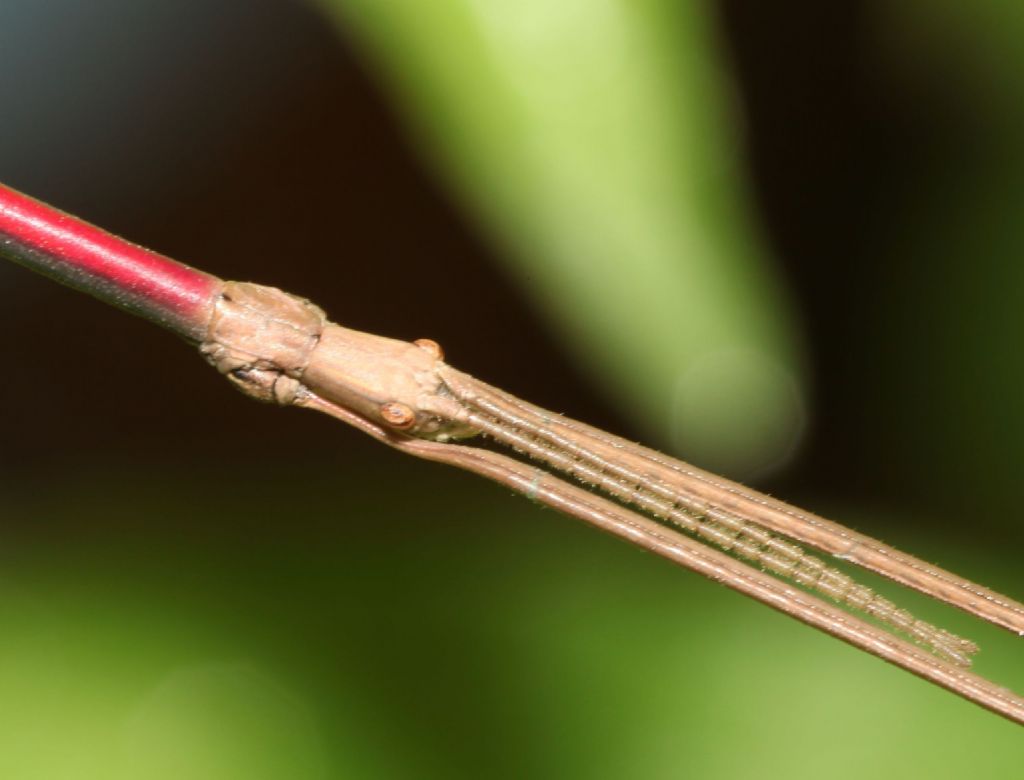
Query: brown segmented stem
point(613, 518)
point(718, 498)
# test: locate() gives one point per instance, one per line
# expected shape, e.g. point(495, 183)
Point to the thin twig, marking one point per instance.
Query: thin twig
point(278, 348)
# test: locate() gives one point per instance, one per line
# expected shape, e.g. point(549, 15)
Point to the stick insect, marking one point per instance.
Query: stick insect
point(282, 349)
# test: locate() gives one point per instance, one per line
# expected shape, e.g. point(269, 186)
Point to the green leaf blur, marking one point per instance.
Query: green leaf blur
point(377, 618)
point(596, 143)
point(338, 635)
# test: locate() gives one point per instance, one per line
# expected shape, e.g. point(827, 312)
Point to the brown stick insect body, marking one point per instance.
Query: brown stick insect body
point(279, 348)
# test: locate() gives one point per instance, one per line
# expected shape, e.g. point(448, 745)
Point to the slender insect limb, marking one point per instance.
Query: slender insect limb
point(719, 499)
point(748, 540)
point(691, 554)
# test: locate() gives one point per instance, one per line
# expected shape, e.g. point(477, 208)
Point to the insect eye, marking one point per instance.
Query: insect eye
point(398, 415)
point(431, 346)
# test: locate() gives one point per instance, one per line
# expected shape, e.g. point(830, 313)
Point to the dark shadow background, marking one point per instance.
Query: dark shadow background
point(247, 139)
point(276, 159)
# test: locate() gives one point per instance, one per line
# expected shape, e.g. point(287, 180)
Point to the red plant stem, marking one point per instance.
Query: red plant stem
point(86, 258)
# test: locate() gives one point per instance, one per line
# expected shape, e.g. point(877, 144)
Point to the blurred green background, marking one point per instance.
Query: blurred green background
point(780, 242)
